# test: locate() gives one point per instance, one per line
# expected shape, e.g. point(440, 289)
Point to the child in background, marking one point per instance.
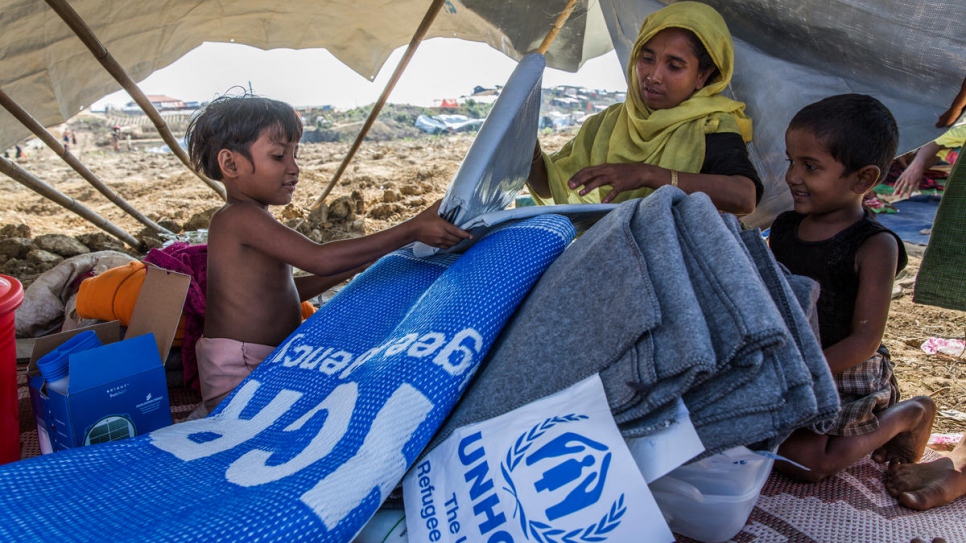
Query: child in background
point(927, 155)
point(250, 144)
point(838, 148)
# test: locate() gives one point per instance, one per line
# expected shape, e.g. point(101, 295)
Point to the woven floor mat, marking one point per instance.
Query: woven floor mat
point(850, 507)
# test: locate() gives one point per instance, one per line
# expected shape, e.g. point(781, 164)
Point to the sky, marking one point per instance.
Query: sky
point(441, 68)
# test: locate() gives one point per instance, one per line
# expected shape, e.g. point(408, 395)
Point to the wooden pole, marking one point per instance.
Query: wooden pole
point(25, 178)
point(74, 21)
point(27, 120)
point(557, 25)
point(377, 107)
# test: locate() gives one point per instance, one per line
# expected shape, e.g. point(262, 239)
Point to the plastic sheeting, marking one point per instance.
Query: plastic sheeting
point(496, 166)
point(909, 54)
point(48, 71)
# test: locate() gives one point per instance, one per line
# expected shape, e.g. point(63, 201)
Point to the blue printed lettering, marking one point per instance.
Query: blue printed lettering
point(485, 507)
point(469, 458)
point(428, 510)
point(480, 482)
point(452, 507)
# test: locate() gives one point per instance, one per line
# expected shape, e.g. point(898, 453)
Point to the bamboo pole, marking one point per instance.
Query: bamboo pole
point(377, 107)
point(557, 25)
point(38, 130)
point(86, 35)
point(28, 180)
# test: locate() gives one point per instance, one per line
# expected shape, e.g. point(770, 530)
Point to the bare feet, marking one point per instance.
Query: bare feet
point(907, 447)
point(924, 486)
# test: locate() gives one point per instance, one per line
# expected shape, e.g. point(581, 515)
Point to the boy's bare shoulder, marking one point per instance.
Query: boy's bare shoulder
point(242, 211)
point(254, 227)
point(241, 217)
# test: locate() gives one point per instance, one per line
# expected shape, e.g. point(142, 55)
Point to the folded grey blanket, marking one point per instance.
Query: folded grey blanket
point(664, 298)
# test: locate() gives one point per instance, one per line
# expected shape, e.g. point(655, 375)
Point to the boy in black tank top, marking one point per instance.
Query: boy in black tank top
point(837, 150)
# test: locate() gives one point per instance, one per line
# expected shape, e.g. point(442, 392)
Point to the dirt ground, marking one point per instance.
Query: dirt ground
point(392, 181)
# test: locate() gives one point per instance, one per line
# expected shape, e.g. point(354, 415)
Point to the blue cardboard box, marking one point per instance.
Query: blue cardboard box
point(117, 390)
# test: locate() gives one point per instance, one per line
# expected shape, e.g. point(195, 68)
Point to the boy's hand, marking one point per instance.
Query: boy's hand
point(435, 231)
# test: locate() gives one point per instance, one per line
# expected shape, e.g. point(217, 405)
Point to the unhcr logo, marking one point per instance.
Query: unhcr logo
point(549, 464)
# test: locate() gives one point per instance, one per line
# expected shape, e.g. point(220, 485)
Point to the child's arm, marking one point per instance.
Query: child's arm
point(876, 266)
point(909, 179)
point(310, 286)
point(955, 109)
point(260, 231)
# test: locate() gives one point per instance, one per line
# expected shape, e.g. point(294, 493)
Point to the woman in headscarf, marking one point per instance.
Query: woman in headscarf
point(674, 128)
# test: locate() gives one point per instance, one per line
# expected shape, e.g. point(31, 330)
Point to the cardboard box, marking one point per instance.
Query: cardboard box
point(117, 390)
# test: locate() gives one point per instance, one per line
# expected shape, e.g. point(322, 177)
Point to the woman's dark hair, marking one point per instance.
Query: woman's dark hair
point(856, 129)
point(705, 62)
point(234, 123)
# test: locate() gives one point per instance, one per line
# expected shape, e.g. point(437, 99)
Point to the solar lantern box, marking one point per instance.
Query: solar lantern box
point(119, 389)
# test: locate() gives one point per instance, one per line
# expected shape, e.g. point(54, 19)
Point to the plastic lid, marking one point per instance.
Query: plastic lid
point(11, 294)
point(54, 365)
point(53, 369)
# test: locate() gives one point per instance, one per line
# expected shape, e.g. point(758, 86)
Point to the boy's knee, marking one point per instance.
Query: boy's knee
point(815, 474)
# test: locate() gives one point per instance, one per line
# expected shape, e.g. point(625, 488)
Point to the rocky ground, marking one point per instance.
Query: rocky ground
point(387, 182)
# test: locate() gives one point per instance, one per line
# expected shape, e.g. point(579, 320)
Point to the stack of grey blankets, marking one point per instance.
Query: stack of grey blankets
point(667, 298)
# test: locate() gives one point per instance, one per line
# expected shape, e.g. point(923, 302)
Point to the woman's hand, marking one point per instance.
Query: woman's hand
point(620, 177)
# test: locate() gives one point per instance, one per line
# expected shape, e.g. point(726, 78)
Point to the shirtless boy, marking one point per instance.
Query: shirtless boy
point(250, 144)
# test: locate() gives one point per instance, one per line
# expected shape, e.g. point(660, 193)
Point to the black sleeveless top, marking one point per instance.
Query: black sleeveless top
point(831, 262)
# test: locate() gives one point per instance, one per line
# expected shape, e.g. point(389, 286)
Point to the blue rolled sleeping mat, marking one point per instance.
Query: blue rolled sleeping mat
point(310, 444)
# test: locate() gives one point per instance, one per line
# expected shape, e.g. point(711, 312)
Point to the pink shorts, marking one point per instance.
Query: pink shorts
point(223, 363)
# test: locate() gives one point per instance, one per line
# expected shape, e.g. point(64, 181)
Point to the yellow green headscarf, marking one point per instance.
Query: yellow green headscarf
point(670, 138)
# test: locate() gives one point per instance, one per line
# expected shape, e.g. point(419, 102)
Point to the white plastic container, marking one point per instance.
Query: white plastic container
point(710, 500)
point(386, 526)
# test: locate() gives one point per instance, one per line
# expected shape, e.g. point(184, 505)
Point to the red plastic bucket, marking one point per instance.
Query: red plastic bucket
point(11, 294)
